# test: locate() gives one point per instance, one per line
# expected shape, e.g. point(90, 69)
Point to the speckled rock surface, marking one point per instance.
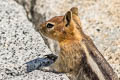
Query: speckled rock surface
point(20, 43)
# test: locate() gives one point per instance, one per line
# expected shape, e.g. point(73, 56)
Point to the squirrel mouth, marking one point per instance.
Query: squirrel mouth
point(43, 34)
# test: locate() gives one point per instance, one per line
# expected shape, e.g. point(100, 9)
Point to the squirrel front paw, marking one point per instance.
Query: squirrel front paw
point(51, 57)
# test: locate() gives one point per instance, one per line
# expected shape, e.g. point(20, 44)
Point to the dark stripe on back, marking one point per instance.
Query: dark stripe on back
point(87, 70)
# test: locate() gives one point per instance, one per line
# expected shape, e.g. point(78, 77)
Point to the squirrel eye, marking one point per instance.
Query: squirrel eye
point(49, 25)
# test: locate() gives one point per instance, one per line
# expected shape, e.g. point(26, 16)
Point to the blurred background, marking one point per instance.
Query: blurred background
point(20, 42)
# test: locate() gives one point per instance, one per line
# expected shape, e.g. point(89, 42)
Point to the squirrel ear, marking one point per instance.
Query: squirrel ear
point(67, 18)
point(74, 10)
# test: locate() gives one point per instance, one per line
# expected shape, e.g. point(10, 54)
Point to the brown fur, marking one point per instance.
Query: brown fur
point(76, 50)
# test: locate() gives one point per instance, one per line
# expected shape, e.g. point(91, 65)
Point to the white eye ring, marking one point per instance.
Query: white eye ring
point(50, 25)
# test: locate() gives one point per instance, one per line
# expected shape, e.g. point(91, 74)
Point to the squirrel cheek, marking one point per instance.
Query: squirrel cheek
point(64, 32)
point(55, 34)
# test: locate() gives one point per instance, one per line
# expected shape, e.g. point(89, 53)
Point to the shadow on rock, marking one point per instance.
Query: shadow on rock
point(41, 62)
point(32, 65)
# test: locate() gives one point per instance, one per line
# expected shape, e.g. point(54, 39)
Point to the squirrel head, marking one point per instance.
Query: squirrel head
point(61, 28)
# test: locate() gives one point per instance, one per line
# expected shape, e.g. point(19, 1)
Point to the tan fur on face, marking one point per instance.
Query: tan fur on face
point(60, 31)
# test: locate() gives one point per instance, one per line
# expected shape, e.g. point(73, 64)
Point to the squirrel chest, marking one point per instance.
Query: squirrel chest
point(71, 54)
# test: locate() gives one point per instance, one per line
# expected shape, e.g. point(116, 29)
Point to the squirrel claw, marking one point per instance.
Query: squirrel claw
point(51, 56)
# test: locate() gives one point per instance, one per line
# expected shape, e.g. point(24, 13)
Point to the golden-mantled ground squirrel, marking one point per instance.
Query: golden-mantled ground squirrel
point(78, 58)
